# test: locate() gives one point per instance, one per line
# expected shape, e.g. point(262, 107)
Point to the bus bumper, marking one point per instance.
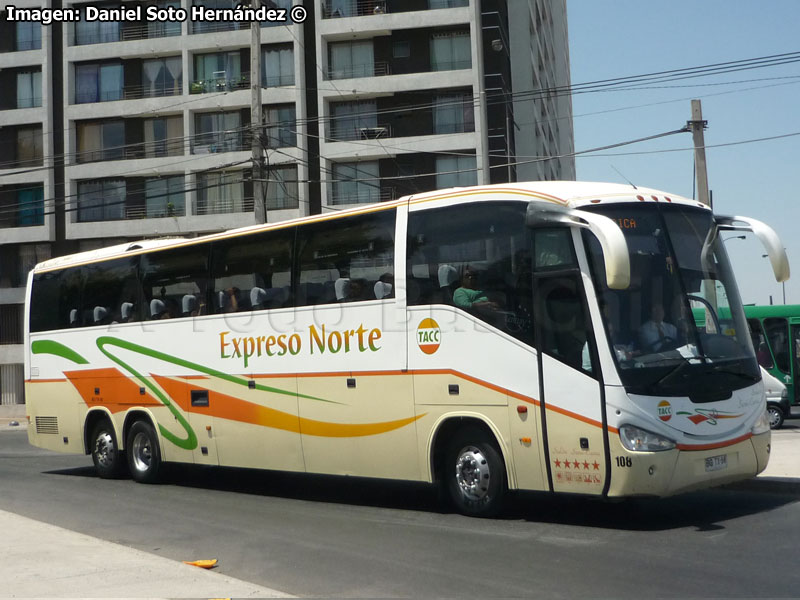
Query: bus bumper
point(680, 470)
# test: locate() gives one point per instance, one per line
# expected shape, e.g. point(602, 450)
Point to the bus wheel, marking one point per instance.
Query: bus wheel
point(108, 460)
point(775, 416)
point(144, 455)
point(475, 475)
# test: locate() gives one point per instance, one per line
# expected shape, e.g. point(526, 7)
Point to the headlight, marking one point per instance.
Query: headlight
point(762, 424)
point(784, 394)
point(639, 440)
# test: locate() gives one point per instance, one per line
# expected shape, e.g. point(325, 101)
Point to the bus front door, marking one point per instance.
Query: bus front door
point(570, 388)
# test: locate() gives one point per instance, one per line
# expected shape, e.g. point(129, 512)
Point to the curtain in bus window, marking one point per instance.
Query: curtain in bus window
point(30, 204)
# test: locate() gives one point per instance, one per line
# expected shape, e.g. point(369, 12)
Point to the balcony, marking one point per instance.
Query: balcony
point(353, 8)
point(219, 84)
point(373, 69)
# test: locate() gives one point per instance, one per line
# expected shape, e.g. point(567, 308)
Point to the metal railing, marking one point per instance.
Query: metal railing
point(362, 196)
point(235, 143)
point(374, 69)
point(133, 92)
point(353, 8)
point(223, 206)
point(206, 86)
point(150, 31)
point(341, 134)
point(166, 209)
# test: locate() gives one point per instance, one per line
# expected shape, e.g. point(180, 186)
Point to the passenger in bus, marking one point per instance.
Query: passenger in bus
point(469, 296)
point(356, 290)
point(229, 300)
point(656, 334)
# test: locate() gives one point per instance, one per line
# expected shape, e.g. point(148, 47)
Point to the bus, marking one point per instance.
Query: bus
point(481, 338)
point(775, 331)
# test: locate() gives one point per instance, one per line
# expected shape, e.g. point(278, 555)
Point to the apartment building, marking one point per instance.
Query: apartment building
point(119, 130)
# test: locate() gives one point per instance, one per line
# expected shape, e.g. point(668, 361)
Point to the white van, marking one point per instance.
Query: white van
point(777, 399)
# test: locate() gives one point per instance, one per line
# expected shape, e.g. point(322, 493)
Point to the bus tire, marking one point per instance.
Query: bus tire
point(144, 455)
point(109, 462)
point(474, 473)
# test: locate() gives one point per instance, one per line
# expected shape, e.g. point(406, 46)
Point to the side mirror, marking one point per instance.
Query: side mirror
point(772, 243)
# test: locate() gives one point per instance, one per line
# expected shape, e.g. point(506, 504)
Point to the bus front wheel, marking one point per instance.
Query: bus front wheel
point(474, 475)
point(108, 460)
point(144, 455)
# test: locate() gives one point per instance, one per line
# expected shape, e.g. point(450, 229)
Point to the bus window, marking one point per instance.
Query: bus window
point(760, 343)
point(475, 257)
point(778, 336)
point(344, 263)
point(255, 270)
point(175, 282)
point(111, 292)
point(563, 322)
point(56, 300)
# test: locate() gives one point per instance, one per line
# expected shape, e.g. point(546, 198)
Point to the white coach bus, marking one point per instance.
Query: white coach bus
point(532, 336)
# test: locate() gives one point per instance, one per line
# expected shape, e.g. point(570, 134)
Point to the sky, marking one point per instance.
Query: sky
point(619, 38)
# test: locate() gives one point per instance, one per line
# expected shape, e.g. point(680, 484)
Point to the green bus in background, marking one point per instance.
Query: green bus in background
point(775, 331)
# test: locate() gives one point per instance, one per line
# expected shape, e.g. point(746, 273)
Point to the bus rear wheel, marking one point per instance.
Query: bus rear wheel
point(475, 475)
point(109, 462)
point(144, 455)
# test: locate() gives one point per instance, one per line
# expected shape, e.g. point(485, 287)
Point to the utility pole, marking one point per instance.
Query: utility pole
point(256, 125)
point(697, 126)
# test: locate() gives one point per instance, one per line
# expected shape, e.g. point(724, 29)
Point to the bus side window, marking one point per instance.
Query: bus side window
point(343, 261)
point(778, 335)
point(169, 277)
point(110, 286)
point(252, 272)
point(760, 343)
point(55, 300)
point(563, 322)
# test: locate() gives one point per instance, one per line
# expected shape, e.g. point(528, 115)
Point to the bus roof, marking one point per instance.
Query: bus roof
point(572, 194)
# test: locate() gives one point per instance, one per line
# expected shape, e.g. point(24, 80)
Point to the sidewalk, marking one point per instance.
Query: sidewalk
point(45, 561)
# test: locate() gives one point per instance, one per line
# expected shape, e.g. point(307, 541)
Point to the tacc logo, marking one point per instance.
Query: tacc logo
point(429, 336)
point(664, 410)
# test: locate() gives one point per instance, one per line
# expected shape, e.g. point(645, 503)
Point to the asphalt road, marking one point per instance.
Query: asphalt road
point(324, 536)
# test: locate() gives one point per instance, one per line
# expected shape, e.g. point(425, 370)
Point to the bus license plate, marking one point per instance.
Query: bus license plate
point(717, 463)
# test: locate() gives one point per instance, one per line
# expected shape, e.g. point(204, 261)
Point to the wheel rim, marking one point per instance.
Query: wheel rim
point(472, 473)
point(774, 417)
point(142, 452)
point(104, 449)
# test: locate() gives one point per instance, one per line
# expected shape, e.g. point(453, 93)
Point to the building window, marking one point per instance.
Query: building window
point(453, 113)
point(101, 200)
point(456, 171)
point(447, 3)
point(218, 72)
point(353, 120)
point(28, 36)
point(356, 183)
point(351, 59)
point(163, 136)
point(277, 66)
point(218, 132)
point(29, 146)
point(29, 89)
point(451, 51)
point(158, 29)
point(280, 124)
point(282, 188)
point(221, 192)
point(11, 317)
point(165, 197)
point(96, 32)
point(162, 77)
point(401, 50)
point(98, 83)
point(213, 25)
point(30, 204)
point(100, 140)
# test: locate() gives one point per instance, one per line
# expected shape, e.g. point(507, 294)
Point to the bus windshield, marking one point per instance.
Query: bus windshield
point(678, 263)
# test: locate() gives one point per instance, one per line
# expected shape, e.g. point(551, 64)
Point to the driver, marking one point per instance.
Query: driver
point(656, 334)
